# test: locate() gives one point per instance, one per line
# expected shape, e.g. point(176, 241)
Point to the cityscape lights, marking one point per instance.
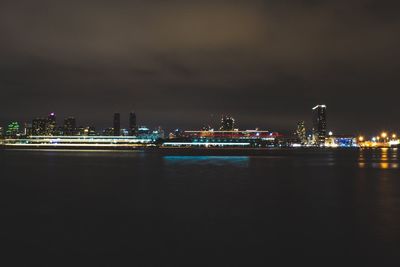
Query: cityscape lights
point(41, 129)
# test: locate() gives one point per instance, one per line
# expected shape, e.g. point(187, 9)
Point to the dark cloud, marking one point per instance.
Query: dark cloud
point(178, 62)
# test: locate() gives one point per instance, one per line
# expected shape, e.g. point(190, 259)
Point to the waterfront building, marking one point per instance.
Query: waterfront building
point(117, 124)
point(227, 123)
point(69, 126)
point(319, 125)
point(132, 124)
point(236, 138)
point(13, 129)
point(301, 133)
point(39, 126)
point(51, 124)
point(341, 141)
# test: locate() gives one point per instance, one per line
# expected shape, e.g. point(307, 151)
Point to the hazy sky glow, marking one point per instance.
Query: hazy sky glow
point(177, 63)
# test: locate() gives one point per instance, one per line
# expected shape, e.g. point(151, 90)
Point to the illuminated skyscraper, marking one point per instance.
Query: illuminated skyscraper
point(13, 129)
point(301, 132)
point(319, 124)
point(51, 124)
point(227, 123)
point(132, 124)
point(39, 126)
point(117, 124)
point(69, 126)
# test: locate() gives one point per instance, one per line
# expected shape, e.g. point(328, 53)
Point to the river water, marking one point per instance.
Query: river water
point(287, 208)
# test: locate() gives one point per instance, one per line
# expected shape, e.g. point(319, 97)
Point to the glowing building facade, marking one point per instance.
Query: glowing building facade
point(301, 133)
point(13, 129)
point(319, 125)
point(51, 124)
point(227, 123)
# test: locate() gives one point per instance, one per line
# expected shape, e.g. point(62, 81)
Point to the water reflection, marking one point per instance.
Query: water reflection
point(237, 161)
point(383, 158)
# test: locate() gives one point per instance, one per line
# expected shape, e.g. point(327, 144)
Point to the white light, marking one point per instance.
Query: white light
point(319, 106)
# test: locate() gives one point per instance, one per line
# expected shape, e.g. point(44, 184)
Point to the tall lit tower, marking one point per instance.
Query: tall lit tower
point(39, 126)
point(117, 124)
point(132, 124)
point(51, 124)
point(319, 124)
point(301, 132)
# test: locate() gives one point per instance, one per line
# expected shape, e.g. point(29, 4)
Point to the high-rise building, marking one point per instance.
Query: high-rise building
point(227, 123)
point(117, 124)
point(1, 132)
point(39, 126)
point(319, 125)
point(69, 126)
point(13, 129)
point(51, 124)
point(301, 132)
point(132, 124)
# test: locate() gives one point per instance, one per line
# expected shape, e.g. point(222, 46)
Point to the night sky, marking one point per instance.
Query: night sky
point(184, 63)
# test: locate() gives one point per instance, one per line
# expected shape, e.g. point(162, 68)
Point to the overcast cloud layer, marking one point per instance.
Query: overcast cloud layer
point(183, 63)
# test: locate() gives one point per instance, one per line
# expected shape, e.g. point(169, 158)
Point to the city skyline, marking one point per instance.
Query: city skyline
point(124, 122)
point(317, 133)
point(200, 132)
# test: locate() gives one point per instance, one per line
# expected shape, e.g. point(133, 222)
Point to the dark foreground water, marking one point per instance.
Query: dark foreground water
point(288, 208)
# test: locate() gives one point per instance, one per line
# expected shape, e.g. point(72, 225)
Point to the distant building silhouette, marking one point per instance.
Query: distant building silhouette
point(319, 125)
point(117, 124)
point(70, 126)
point(132, 124)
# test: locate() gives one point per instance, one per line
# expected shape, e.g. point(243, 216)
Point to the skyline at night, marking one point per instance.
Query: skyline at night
point(200, 132)
point(46, 132)
point(126, 121)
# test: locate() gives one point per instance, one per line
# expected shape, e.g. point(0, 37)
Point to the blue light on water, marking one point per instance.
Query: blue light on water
point(237, 161)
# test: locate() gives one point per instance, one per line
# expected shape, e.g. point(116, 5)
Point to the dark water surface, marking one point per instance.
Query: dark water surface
point(289, 208)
